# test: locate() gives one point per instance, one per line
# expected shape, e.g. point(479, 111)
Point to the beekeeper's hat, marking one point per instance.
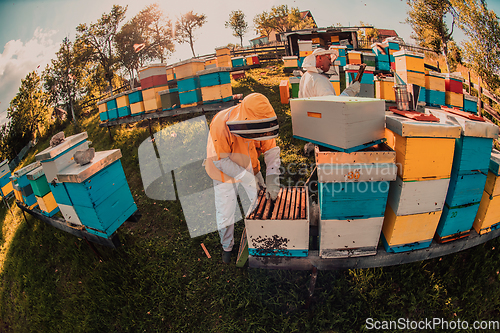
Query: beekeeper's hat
point(309, 63)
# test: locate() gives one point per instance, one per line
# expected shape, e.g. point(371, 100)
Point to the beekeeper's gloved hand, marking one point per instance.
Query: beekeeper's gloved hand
point(227, 166)
point(260, 180)
point(352, 90)
point(272, 186)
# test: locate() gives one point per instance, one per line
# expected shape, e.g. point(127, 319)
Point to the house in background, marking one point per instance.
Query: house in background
point(274, 36)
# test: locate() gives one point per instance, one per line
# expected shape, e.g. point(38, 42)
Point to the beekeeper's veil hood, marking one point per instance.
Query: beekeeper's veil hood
point(309, 63)
point(254, 119)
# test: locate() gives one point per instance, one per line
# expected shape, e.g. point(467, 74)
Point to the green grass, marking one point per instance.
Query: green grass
point(160, 280)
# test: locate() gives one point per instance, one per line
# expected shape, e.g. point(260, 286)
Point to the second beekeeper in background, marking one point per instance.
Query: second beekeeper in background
point(238, 136)
point(315, 82)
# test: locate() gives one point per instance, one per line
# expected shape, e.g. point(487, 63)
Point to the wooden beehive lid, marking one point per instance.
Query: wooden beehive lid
point(352, 67)
point(168, 91)
point(152, 66)
point(471, 98)
point(21, 172)
point(468, 127)
point(384, 79)
point(68, 143)
point(189, 61)
point(355, 52)
point(235, 58)
point(495, 162)
point(406, 127)
point(406, 53)
point(435, 74)
point(290, 58)
point(221, 48)
point(338, 46)
point(369, 54)
point(106, 100)
point(35, 173)
point(4, 162)
point(304, 42)
point(124, 93)
point(454, 76)
point(75, 173)
point(380, 153)
point(294, 79)
point(213, 70)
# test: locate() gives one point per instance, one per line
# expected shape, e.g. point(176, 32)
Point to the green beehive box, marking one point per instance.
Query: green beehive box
point(38, 182)
point(295, 83)
point(169, 98)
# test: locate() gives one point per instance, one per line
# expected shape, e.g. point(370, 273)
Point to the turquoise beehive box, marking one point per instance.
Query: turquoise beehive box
point(99, 192)
point(38, 182)
point(24, 184)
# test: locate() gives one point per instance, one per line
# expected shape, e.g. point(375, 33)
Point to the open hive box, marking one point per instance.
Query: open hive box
point(280, 227)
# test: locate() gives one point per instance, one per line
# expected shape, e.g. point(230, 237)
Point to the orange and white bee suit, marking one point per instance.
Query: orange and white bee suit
point(238, 136)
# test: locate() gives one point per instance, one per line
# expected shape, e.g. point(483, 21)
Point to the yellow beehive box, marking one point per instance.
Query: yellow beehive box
point(318, 40)
point(249, 60)
point(47, 203)
point(420, 158)
point(151, 99)
point(18, 195)
point(122, 101)
point(211, 61)
point(454, 99)
point(409, 61)
point(224, 61)
point(492, 186)
point(488, 213)
point(216, 93)
point(384, 89)
point(290, 61)
point(7, 188)
point(137, 107)
point(222, 51)
point(334, 39)
point(409, 229)
point(103, 107)
point(304, 53)
point(435, 81)
point(188, 68)
point(336, 87)
point(170, 73)
point(417, 78)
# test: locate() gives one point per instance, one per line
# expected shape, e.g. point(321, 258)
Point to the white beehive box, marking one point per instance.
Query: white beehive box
point(55, 159)
point(338, 122)
point(69, 214)
point(152, 70)
point(349, 238)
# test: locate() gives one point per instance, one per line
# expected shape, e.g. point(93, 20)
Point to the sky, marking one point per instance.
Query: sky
point(32, 30)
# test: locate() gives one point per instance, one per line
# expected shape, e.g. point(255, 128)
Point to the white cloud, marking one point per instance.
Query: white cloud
point(19, 58)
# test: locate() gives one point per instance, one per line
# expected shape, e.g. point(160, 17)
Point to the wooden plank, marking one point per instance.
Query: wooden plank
point(242, 257)
point(282, 204)
point(287, 204)
point(277, 205)
point(262, 205)
point(298, 203)
point(254, 212)
point(267, 210)
point(291, 215)
point(381, 259)
point(303, 203)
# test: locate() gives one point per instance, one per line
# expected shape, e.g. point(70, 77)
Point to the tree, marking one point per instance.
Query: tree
point(281, 19)
point(63, 79)
point(185, 26)
point(238, 24)
point(428, 20)
point(370, 34)
point(98, 41)
point(147, 36)
point(482, 50)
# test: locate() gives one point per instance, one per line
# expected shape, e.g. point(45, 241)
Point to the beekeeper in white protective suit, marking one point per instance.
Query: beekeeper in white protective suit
point(238, 136)
point(314, 82)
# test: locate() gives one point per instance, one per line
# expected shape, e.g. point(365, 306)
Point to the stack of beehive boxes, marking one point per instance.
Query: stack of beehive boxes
point(454, 90)
point(136, 101)
point(223, 56)
point(17, 189)
point(409, 67)
point(94, 195)
point(384, 88)
point(335, 40)
point(305, 49)
point(290, 62)
point(122, 104)
point(22, 182)
point(211, 63)
point(215, 85)
point(424, 156)
point(41, 189)
point(468, 177)
point(393, 47)
point(188, 82)
point(366, 84)
point(353, 189)
point(382, 61)
point(488, 215)
point(171, 75)
point(112, 110)
point(6, 187)
point(103, 110)
point(252, 59)
point(354, 169)
point(354, 58)
point(153, 80)
point(295, 84)
point(341, 55)
point(435, 88)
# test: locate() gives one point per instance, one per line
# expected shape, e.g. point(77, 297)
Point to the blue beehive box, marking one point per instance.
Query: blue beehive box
point(99, 192)
point(190, 97)
point(382, 65)
point(352, 200)
point(123, 111)
point(470, 103)
point(135, 96)
point(24, 184)
point(214, 76)
point(238, 61)
point(38, 182)
point(111, 104)
point(472, 154)
point(103, 116)
point(188, 84)
point(60, 193)
point(435, 97)
point(112, 113)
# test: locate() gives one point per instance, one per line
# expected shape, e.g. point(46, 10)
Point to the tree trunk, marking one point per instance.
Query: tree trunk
point(241, 41)
point(191, 44)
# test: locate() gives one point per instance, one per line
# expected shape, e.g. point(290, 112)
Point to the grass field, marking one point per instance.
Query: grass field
point(160, 279)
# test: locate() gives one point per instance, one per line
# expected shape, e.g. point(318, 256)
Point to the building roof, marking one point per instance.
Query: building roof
point(387, 33)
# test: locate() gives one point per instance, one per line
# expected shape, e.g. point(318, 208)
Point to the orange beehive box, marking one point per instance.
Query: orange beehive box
point(284, 92)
